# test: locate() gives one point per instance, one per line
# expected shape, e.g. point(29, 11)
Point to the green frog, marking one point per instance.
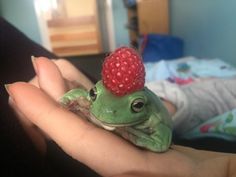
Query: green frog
point(139, 117)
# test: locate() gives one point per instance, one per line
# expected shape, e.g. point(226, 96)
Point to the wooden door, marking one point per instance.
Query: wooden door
point(153, 16)
point(74, 28)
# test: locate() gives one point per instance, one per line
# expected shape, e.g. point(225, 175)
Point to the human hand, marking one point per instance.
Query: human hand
point(101, 150)
point(49, 76)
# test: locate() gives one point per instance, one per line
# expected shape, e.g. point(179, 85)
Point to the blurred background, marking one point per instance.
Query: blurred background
point(85, 31)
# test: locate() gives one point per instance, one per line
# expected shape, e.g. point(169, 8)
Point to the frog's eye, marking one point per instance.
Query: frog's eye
point(137, 105)
point(93, 93)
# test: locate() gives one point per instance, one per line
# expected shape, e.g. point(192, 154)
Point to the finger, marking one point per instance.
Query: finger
point(49, 77)
point(45, 80)
point(32, 131)
point(93, 146)
point(36, 135)
point(46, 70)
point(71, 73)
point(34, 81)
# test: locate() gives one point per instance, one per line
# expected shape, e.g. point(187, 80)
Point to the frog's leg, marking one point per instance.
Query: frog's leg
point(76, 101)
point(156, 138)
point(72, 95)
point(152, 134)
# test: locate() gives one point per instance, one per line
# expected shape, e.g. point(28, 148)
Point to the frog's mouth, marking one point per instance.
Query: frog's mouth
point(108, 126)
point(93, 119)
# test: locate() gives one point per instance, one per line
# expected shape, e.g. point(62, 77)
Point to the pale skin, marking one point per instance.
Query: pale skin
point(36, 104)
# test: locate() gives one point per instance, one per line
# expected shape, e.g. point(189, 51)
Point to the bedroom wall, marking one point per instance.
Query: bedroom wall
point(208, 27)
point(22, 15)
point(120, 20)
point(16, 11)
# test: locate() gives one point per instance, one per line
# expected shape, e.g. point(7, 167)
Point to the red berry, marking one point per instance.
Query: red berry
point(123, 71)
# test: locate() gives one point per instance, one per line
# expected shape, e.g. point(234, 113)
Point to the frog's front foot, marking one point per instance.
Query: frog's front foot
point(75, 101)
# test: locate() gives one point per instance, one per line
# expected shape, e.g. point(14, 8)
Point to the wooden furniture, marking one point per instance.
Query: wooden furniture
point(74, 28)
point(152, 16)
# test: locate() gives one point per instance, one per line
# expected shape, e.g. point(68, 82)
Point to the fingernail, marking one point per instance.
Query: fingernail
point(34, 64)
point(11, 99)
point(7, 89)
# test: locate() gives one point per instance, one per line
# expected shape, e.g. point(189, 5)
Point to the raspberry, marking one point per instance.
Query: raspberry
point(123, 71)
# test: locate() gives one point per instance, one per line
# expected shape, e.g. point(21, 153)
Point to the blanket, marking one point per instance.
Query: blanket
point(187, 69)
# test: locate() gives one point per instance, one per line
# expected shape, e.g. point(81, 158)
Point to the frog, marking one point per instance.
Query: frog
point(139, 117)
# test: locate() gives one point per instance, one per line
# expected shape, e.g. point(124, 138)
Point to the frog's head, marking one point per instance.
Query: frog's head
point(121, 99)
point(112, 111)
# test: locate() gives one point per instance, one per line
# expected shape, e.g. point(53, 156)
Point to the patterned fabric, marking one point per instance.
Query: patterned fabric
point(185, 70)
point(222, 126)
point(197, 102)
